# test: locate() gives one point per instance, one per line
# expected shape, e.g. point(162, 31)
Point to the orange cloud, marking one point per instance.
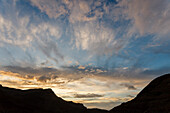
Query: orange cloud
point(81, 67)
point(8, 73)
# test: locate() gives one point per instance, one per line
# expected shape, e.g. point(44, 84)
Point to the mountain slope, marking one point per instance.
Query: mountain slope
point(37, 101)
point(154, 98)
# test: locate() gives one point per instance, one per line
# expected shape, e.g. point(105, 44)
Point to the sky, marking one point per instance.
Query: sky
point(96, 52)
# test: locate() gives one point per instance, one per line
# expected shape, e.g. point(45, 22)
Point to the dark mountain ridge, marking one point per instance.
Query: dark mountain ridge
point(38, 101)
point(154, 98)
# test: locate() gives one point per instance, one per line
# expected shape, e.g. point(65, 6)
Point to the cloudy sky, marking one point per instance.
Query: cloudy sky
point(96, 52)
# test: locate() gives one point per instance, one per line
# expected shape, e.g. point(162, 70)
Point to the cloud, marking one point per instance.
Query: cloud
point(28, 33)
point(95, 38)
point(49, 74)
point(89, 95)
point(131, 96)
point(158, 71)
point(97, 28)
point(136, 71)
point(107, 28)
point(145, 19)
point(30, 70)
point(46, 36)
point(81, 67)
point(14, 34)
point(8, 73)
point(52, 8)
point(85, 70)
point(88, 33)
point(129, 86)
point(77, 10)
point(86, 10)
point(148, 16)
point(40, 74)
point(158, 47)
point(45, 63)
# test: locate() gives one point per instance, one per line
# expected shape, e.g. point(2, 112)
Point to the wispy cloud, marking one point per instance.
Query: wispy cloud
point(158, 71)
point(24, 33)
point(148, 16)
point(89, 95)
point(96, 28)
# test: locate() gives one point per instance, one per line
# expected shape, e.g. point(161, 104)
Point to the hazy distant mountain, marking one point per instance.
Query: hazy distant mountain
point(154, 98)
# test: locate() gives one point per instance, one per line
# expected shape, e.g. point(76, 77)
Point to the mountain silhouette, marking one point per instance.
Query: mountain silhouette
point(38, 101)
point(154, 98)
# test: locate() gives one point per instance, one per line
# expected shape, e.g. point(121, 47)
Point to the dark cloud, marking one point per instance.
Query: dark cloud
point(89, 95)
point(85, 69)
point(44, 78)
point(41, 74)
point(129, 86)
point(67, 96)
point(30, 70)
point(131, 96)
point(45, 63)
point(9, 82)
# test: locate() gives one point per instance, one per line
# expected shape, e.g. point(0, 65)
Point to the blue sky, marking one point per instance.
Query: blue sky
point(75, 42)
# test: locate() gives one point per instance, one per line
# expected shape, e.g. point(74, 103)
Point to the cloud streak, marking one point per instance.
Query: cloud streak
point(129, 86)
point(89, 95)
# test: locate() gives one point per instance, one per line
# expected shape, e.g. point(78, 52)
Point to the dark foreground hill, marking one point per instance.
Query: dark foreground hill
point(38, 101)
point(154, 98)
